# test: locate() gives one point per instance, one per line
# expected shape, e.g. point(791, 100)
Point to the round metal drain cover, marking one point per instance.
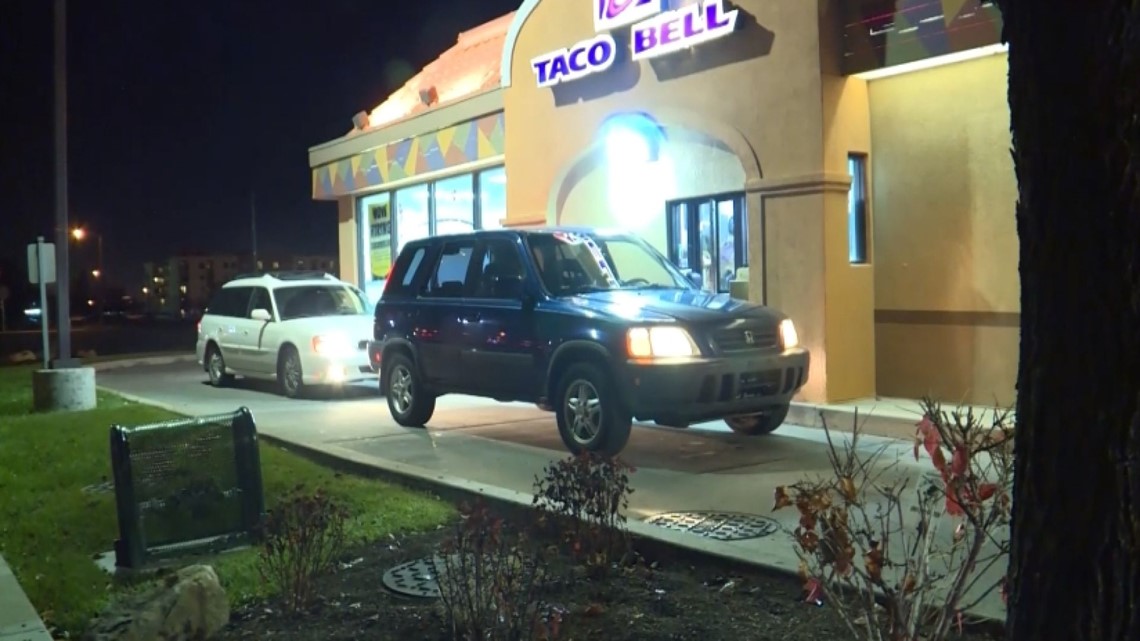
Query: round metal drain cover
point(722, 526)
point(414, 578)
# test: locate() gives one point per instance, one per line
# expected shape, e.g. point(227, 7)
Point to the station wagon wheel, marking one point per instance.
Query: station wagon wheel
point(290, 376)
point(758, 424)
point(410, 404)
point(216, 367)
point(590, 415)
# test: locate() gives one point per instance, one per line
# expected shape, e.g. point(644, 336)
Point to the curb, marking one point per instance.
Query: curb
point(145, 360)
point(19, 620)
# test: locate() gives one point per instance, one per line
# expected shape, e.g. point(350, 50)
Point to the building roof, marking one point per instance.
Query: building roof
point(470, 67)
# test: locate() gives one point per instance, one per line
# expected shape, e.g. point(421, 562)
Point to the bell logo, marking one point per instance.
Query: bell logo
point(611, 14)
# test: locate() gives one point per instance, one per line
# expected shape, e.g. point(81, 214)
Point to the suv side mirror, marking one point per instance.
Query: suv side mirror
point(695, 278)
point(262, 315)
point(510, 287)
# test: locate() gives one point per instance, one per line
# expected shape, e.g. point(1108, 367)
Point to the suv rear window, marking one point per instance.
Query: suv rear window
point(405, 272)
point(303, 301)
point(450, 277)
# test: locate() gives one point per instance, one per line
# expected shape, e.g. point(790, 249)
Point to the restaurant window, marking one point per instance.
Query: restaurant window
point(492, 198)
point(413, 214)
point(857, 209)
point(455, 205)
point(709, 236)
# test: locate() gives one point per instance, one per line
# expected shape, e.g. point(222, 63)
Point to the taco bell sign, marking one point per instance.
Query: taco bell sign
point(653, 30)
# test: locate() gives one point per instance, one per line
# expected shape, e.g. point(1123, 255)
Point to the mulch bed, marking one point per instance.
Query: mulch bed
point(666, 595)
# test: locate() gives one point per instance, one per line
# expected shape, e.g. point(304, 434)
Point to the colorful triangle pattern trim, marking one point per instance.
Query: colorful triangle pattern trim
point(462, 143)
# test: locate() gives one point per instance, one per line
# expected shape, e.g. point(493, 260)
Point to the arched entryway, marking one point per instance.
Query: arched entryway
point(678, 186)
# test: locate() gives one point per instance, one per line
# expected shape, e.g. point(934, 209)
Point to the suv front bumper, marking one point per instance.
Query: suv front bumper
point(706, 389)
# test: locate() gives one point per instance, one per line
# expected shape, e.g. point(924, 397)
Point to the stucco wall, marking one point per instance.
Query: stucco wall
point(770, 99)
point(946, 280)
point(768, 107)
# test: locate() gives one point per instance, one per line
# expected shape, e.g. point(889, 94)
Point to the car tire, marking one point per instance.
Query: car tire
point(760, 423)
point(604, 430)
point(410, 404)
point(216, 367)
point(290, 375)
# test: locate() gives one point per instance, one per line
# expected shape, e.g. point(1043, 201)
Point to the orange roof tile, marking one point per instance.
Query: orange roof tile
point(468, 68)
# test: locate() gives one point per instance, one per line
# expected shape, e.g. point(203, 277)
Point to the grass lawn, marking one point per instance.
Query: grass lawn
point(50, 528)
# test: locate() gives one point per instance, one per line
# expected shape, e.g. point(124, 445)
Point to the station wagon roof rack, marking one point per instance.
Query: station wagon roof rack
point(290, 275)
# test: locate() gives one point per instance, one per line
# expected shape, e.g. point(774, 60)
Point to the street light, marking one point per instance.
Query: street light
point(80, 234)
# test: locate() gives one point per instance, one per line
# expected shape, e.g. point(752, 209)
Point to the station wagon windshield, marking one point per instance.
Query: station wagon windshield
point(576, 263)
point(304, 301)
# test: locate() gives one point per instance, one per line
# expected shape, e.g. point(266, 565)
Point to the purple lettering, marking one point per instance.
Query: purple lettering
point(668, 33)
point(541, 69)
point(644, 38)
point(713, 19)
point(601, 53)
point(558, 68)
point(575, 62)
point(691, 28)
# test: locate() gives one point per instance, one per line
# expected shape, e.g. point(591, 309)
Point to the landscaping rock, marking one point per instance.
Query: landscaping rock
point(24, 356)
point(190, 605)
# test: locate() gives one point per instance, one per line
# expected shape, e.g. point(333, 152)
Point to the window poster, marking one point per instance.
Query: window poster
point(380, 237)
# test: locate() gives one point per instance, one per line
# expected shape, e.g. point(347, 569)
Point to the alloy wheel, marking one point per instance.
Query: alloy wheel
point(583, 411)
point(292, 373)
point(400, 389)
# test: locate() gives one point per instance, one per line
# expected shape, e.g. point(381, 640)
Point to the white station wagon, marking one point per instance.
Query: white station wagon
point(298, 328)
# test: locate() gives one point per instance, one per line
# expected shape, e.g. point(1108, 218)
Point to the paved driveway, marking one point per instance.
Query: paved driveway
point(704, 467)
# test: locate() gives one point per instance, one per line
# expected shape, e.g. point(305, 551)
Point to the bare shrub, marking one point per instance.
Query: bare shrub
point(877, 557)
point(491, 580)
point(581, 500)
point(300, 540)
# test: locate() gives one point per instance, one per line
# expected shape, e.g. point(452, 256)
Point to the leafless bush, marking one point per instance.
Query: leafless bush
point(491, 580)
point(300, 540)
point(877, 557)
point(581, 500)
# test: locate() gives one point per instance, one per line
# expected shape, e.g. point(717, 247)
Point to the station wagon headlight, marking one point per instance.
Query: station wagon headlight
point(788, 336)
point(660, 342)
point(331, 345)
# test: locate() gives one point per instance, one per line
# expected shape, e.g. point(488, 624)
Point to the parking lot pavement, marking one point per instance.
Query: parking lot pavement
point(702, 468)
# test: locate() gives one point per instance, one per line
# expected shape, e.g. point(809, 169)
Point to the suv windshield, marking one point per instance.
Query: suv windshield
point(575, 263)
point(305, 301)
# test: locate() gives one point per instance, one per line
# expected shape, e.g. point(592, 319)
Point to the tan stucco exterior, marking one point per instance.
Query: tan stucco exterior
point(790, 127)
point(946, 281)
point(933, 310)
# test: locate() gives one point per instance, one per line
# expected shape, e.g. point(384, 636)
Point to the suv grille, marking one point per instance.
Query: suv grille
point(739, 339)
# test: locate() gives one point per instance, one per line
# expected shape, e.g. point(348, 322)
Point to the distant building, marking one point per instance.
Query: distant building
point(182, 285)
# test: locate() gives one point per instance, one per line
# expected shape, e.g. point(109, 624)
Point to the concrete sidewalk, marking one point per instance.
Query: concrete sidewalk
point(496, 449)
point(18, 619)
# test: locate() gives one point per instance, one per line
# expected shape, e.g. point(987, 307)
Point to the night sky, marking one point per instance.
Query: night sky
point(178, 110)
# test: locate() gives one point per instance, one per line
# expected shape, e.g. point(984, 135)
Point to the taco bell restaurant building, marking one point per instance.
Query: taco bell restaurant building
point(845, 161)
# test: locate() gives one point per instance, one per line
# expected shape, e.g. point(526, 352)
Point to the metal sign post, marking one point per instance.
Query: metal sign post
point(41, 270)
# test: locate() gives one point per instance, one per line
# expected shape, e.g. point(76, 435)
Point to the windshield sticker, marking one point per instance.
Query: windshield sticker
point(569, 238)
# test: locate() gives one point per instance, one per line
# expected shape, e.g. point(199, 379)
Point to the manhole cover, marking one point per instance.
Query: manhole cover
point(722, 526)
point(414, 578)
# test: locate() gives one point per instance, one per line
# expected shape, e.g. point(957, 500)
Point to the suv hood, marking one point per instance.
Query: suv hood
point(663, 305)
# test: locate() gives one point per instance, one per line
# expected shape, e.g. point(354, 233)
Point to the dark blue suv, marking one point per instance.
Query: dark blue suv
point(596, 326)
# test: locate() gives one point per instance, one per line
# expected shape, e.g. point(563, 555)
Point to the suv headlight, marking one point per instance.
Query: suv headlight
point(331, 345)
point(660, 342)
point(788, 336)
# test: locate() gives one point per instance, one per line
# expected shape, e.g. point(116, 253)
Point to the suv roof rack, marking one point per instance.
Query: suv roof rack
point(289, 275)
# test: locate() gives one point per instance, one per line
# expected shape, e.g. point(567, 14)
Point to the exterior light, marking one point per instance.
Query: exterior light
point(95, 273)
point(626, 146)
point(145, 290)
point(79, 233)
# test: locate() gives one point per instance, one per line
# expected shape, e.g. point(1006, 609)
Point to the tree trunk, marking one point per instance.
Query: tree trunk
point(1074, 82)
